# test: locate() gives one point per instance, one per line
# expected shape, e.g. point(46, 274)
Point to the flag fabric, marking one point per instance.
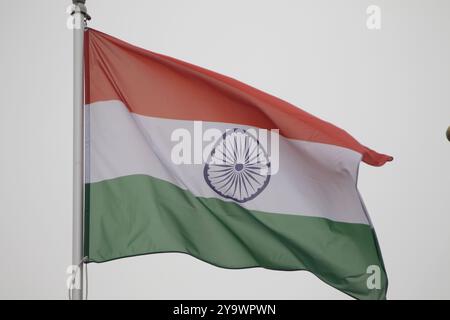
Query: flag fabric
point(144, 196)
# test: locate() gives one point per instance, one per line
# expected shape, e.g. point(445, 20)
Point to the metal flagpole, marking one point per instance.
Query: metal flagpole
point(79, 18)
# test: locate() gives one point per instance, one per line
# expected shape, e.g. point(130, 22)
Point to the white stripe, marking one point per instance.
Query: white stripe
point(314, 179)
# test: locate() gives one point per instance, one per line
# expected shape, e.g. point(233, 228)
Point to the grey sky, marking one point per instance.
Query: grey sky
point(389, 88)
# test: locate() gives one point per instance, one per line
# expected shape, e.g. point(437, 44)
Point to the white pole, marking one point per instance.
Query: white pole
point(79, 13)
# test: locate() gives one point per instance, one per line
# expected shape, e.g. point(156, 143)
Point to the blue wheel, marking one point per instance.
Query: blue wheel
point(238, 167)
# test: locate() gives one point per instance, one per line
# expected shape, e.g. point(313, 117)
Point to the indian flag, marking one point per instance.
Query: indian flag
point(182, 159)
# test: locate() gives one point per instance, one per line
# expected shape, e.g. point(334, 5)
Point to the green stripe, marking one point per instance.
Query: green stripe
point(138, 214)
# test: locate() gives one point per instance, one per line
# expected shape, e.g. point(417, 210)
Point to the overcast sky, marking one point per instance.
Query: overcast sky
point(390, 88)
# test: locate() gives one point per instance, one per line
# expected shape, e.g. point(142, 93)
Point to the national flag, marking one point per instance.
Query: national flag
point(241, 205)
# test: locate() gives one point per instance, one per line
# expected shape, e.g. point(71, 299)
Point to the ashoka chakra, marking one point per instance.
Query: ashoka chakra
point(238, 167)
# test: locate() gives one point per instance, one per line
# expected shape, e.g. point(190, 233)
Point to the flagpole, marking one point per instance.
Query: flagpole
point(79, 14)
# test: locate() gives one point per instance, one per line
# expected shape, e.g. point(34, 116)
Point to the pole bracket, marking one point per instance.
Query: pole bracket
point(79, 7)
